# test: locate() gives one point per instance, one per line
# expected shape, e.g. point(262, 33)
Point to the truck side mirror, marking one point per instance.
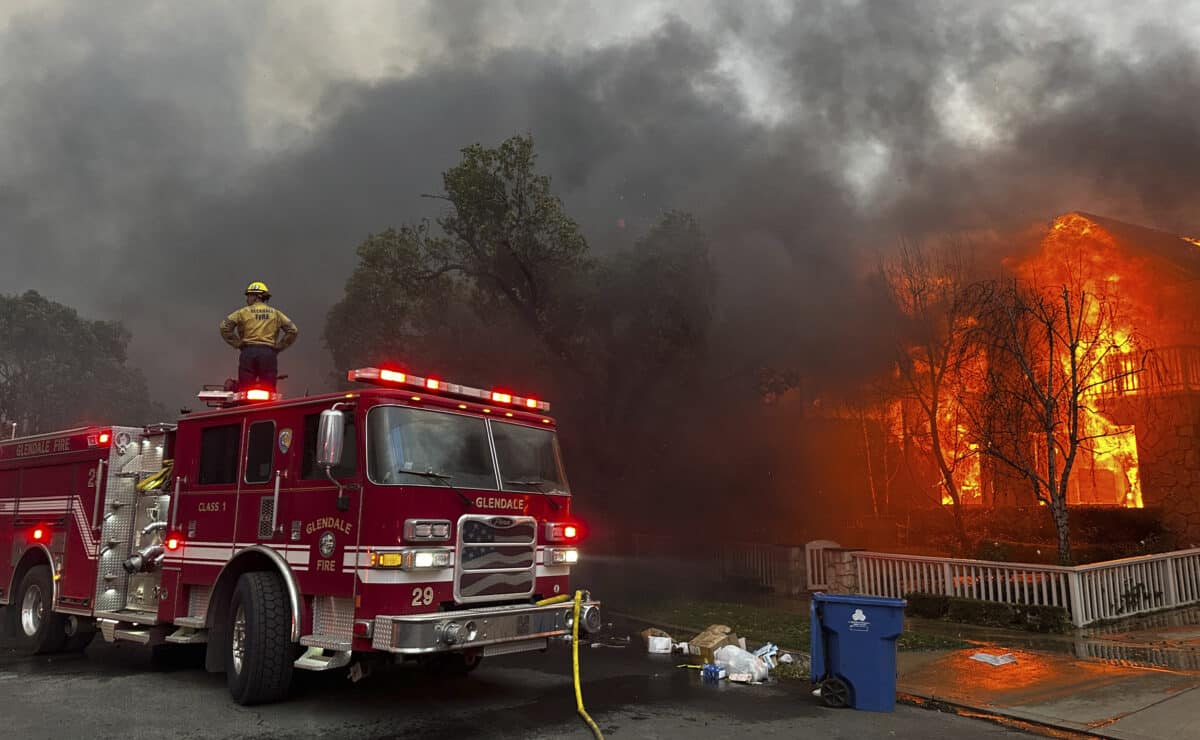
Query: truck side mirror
point(331, 435)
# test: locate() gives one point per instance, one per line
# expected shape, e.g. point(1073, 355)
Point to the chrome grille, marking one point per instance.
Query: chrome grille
point(494, 558)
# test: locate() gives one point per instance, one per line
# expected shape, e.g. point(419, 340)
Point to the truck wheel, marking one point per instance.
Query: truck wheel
point(259, 655)
point(36, 628)
point(78, 640)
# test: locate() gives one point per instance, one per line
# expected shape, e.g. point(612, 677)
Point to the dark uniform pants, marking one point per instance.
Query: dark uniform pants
point(258, 367)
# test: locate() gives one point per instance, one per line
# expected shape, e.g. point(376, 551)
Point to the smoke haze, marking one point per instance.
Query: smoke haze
point(156, 157)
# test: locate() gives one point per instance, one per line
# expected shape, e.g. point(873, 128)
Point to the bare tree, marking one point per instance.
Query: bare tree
point(935, 353)
point(1050, 352)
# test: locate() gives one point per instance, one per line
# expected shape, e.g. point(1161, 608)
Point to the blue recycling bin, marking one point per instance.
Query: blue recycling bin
point(854, 650)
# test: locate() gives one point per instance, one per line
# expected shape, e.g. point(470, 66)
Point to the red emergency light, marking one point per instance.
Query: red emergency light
point(40, 533)
point(563, 531)
point(386, 377)
point(173, 542)
point(227, 398)
point(104, 438)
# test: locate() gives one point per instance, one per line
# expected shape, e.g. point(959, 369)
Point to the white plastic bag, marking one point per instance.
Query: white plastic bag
point(736, 660)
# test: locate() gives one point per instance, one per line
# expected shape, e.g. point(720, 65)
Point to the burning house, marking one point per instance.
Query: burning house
point(1138, 375)
point(1149, 452)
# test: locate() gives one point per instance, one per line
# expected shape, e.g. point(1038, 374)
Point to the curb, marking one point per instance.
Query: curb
point(1046, 729)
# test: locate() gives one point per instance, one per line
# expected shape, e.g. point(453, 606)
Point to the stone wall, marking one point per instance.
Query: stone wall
point(840, 572)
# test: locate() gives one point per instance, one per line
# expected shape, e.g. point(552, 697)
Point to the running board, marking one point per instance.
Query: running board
point(112, 630)
point(188, 636)
point(315, 659)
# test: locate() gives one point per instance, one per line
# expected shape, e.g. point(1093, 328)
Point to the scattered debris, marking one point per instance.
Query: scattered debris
point(767, 653)
point(705, 644)
point(996, 660)
point(739, 661)
point(712, 672)
point(786, 658)
point(653, 632)
point(658, 644)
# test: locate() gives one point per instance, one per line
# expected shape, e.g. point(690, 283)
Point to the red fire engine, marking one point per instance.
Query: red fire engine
point(414, 517)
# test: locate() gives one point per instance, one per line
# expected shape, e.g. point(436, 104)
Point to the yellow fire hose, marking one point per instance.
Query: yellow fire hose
point(575, 664)
point(575, 658)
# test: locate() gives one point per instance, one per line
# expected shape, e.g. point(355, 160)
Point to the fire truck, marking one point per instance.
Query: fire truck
point(412, 518)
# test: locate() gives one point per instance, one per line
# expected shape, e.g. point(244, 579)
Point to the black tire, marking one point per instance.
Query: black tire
point(77, 642)
point(454, 664)
point(34, 626)
point(259, 652)
point(835, 693)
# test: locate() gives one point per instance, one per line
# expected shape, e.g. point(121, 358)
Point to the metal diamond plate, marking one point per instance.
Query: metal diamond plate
point(198, 600)
point(333, 617)
point(124, 461)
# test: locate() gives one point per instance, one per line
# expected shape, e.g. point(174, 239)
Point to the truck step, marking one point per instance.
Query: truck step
point(142, 637)
point(326, 642)
point(188, 636)
point(193, 622)
point(315, 659)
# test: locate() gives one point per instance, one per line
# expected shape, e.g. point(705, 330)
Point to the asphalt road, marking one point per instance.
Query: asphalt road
point(120, 691)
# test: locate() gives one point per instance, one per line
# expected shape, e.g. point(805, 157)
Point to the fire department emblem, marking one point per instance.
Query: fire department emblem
point(285, 440)
point(327, 543)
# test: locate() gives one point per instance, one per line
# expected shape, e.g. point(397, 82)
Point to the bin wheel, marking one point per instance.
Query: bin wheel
point(835, 693)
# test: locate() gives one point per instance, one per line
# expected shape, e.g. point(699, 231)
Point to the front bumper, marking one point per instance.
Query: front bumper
point(498, 629)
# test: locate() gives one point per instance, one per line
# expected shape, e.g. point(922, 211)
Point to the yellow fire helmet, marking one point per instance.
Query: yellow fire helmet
point(257, 288)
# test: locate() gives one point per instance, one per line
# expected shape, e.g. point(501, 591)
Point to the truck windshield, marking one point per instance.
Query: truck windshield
point(422, 447)
point(529, 458)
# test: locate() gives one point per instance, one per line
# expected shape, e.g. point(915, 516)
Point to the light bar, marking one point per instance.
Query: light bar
point(213, 398)
point(385, 377)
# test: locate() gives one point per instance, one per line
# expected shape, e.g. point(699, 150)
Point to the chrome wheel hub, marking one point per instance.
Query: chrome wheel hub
point(33, 610)
point(238, 639)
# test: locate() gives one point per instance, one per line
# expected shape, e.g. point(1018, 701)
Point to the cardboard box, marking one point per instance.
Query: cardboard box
point(706, 643)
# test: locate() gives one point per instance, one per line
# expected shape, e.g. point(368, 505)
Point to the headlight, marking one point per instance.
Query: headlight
point(426, 530)
point(560, 556)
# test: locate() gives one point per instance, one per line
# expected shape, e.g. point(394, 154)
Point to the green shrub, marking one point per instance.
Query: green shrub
point(1027, 617)
point(929, 606)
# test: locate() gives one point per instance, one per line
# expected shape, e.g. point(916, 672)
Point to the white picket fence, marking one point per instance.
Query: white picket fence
point(1091, 593)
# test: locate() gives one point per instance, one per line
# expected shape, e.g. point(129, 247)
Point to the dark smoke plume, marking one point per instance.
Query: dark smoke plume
point(138, 181)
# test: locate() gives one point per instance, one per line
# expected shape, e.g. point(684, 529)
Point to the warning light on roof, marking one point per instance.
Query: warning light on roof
point(391, 376)
point(258, 394)
point(379, 376)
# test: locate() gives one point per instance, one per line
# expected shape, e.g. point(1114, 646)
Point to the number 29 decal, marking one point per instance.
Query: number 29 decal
point(422, 596)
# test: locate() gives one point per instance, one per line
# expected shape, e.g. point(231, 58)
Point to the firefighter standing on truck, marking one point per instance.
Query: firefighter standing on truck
point(261, 332)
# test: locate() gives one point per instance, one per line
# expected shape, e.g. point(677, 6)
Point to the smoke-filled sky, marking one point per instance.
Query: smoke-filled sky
point(157, 156)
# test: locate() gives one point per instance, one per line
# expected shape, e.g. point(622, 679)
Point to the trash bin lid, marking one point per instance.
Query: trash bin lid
point(859, 600)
